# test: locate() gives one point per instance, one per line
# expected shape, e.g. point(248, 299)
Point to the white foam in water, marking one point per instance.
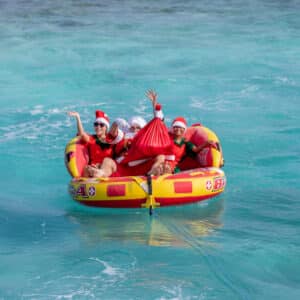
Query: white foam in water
point(197, 103)
point(109, 270)
point(10, 135)
point(176, 293)
point(285, 80)
point(44, 124)
point(141, 107)
point(211, 105)
point(31, 137)
point(37, 110)
point(99, 104)
point(55, 111)
point(249, 89)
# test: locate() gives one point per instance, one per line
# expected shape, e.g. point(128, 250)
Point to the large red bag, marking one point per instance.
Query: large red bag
point(150, 141)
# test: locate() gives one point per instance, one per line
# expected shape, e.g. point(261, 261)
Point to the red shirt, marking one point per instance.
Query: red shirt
point(180, 150)
point(98, 150)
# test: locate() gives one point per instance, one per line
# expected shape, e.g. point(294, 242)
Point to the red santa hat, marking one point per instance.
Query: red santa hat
point(102, 117)
point(179, 122)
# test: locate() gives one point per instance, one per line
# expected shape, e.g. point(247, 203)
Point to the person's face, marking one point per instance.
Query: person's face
point(100, 128)
point(178, 131)
point(135, 128)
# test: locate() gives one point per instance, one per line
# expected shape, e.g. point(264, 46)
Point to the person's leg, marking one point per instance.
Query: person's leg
point(156, 168)
point(87, 171)
point(167, 169)
point(107, 167)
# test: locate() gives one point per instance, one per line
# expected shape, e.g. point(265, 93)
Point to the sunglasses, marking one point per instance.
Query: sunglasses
point(99, 124)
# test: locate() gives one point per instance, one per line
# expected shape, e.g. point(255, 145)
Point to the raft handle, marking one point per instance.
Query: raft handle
point(149, 183)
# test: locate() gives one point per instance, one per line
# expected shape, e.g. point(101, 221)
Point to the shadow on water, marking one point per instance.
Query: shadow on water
point(184, 227)
point(170, 227)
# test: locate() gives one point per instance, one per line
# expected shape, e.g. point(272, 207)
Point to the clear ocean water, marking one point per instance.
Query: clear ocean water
point(232, 65)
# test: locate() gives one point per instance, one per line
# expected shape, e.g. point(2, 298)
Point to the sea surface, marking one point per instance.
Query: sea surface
point(232, 65)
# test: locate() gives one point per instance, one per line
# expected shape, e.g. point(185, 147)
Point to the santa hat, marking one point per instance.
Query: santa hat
point(122, 124)
point(179, 122)
point(102, 117)
point(138, 121)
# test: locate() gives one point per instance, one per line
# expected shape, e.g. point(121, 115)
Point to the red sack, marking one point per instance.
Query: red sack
point(150, 141)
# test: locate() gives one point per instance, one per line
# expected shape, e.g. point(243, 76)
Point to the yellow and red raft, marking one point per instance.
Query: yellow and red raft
point(201, 179)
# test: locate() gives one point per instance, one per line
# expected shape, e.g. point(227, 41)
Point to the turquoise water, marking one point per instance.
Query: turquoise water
point(232, 65)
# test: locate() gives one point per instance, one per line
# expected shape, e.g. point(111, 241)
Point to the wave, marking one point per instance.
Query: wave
point(220, 104)
point(42, 122)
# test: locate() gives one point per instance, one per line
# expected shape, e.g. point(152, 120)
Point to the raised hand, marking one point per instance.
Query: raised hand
point(73, 114)
point(80, 129)
point(113, 131)
point(152, 96)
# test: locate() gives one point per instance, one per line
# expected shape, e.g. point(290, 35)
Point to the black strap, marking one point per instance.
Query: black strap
point(100, 143)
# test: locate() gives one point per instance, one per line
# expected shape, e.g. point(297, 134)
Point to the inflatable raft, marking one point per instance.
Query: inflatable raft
point(200, 179)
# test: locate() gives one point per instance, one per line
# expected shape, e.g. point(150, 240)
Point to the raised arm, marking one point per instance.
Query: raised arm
point(157, 111)
point(152, 96)
point(115, 134)
point(84, 136)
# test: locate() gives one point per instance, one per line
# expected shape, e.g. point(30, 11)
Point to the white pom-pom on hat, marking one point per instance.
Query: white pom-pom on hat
point(137, 121)
point(122, 124)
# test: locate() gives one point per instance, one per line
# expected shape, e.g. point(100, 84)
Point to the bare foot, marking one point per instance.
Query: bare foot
point(97, 173)
point(167, 169)
point(156, 171)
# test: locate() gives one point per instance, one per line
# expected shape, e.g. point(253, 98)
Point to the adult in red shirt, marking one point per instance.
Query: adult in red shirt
point(97, 144)
point(180, 146)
